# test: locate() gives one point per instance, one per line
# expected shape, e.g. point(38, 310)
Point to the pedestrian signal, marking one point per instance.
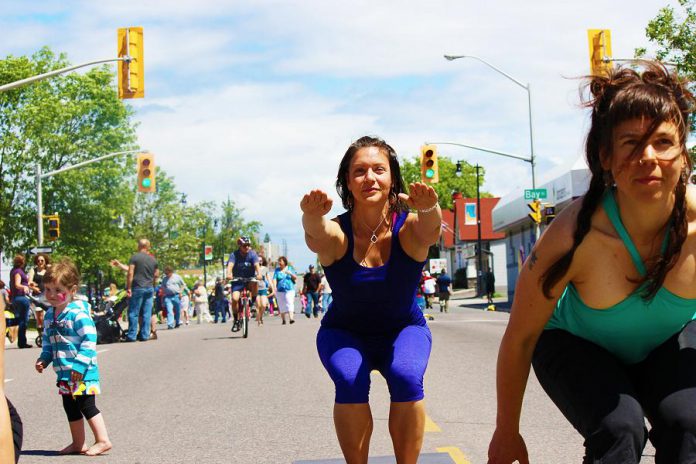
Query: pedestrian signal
point(599, 41)
point(535, 207)
point(53, 227)
point(146, 172)
point(429, 169)
point(131, 69)
point(549, 213)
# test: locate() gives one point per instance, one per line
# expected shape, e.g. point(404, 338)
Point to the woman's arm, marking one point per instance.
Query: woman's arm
point(530, 312)
point(323, 236)
point(423, 228)
point(18, 283)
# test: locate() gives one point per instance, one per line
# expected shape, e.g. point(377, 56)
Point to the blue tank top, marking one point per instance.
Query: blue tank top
point(633, 327)
point(374, 300)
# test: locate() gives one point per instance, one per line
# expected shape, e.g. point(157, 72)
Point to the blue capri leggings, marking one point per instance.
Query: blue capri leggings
point(401, 358)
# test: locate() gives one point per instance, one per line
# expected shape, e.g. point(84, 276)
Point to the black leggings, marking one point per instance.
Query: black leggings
point(17, 429)
point(607, 400)
point(77, 407)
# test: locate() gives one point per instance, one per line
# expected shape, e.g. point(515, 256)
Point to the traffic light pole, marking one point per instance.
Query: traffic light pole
point(40, 77)
point(40, 176)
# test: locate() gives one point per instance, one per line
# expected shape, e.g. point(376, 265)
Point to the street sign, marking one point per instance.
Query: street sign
point(535, 194)
point(37, 250)
point(208, 253)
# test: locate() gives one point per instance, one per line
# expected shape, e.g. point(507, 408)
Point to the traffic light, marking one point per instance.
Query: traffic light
point(599, 41)
point(146, 172)
point(131, 70)
point(53, 227)
point(429, 171)
point(535, 215)
point(549, 213)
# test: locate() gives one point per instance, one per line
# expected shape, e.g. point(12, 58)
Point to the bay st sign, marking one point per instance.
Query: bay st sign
point(535, 194)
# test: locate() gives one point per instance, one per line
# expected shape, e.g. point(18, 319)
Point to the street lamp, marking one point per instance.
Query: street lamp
point(529, 102)
point(479, 252)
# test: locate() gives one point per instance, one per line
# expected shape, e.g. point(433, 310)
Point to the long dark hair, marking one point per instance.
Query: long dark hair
point(397, 187)
point(625, 94)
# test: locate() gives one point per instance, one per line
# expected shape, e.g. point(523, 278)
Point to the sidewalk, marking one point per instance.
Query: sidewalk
point(466, 297)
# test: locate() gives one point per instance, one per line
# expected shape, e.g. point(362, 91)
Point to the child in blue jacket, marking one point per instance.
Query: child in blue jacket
point(70, 342)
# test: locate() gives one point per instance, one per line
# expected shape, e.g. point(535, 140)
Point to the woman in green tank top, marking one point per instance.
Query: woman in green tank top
point(604, 305)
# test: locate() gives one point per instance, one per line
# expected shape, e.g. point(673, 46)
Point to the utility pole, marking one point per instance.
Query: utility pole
point(479, 253)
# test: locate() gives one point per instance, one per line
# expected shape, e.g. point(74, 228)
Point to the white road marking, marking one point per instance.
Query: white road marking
point(8, 380)
point(101, 351)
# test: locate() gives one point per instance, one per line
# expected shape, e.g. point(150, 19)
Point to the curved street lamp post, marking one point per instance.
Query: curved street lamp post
point(529, 103)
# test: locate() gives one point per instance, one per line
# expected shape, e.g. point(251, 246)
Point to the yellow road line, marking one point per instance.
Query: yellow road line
point(455, 453)
point(431, 426)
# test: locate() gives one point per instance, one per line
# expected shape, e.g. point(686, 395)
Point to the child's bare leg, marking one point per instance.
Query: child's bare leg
point(101, 438)
point(77, 432)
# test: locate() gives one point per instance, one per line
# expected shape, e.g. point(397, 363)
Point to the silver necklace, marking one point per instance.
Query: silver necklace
point(373, 237)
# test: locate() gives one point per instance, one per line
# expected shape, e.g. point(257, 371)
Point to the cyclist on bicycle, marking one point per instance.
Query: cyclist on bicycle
point(243, 263)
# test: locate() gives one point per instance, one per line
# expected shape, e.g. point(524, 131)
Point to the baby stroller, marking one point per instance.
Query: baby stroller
point(38, 301)
point(107, 318)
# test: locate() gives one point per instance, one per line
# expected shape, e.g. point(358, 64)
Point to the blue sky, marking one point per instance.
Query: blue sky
point(270, 94)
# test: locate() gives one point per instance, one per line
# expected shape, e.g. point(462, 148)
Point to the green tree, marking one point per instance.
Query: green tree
point(674, 35)
point(233, 225)
point(171, 226)
point(55, 123)
point(449, 181)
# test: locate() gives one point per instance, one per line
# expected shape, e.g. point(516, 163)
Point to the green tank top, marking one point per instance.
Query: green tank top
point(632, 328)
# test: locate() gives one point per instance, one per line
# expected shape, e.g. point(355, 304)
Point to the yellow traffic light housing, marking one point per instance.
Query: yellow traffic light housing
point(131, 70)
point(53, 227)
point(599, 41)
point(429, 168)
point(146, 173)
point(549, 213)
point(535, 207)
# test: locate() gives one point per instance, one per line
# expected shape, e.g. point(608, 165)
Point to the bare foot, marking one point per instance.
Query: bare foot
point(73, 449)
point(98, 448)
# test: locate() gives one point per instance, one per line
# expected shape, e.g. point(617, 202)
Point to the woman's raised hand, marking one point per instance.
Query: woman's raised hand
point(420, 197)
point(316, 203)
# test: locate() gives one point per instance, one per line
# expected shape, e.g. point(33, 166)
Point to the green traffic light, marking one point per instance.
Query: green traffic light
point(146, 183)
point(429, 173)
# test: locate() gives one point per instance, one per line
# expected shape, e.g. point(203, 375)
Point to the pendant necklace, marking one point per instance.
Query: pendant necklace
point(373, 237)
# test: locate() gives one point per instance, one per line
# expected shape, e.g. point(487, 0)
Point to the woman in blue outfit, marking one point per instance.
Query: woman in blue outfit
point(605, 302)
point(373, 256)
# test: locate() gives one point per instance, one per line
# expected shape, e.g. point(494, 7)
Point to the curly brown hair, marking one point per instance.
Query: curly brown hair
point(657, 95)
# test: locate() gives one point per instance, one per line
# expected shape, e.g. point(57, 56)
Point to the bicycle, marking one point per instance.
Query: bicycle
point(244, 312)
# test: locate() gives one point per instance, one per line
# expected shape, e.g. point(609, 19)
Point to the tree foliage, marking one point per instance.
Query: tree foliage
point(449, 182)
point(674, 35)
point(68, 119)
point(54, 123)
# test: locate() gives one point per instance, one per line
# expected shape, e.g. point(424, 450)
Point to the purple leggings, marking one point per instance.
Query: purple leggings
point(401, 358)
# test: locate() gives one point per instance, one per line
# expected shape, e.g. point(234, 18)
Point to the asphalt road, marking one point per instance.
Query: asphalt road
point(203, 394)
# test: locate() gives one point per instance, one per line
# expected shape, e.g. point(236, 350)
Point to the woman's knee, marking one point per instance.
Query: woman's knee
point(405, 385)
point(677, 411)
point(624, 427)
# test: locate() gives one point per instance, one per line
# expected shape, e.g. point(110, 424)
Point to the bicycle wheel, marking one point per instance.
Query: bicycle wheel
point(245, 318)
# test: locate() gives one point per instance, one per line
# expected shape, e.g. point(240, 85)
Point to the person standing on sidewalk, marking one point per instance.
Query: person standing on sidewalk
point(444, 288)
point(605, 305)
point(140, 286)
point(19, 289)
point(373, 256)
point(325, 292)
point(310, 288)
point(285, 289)
point(173, 286)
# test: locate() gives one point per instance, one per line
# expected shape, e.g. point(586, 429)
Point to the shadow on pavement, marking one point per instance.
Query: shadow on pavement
point(40, 453)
